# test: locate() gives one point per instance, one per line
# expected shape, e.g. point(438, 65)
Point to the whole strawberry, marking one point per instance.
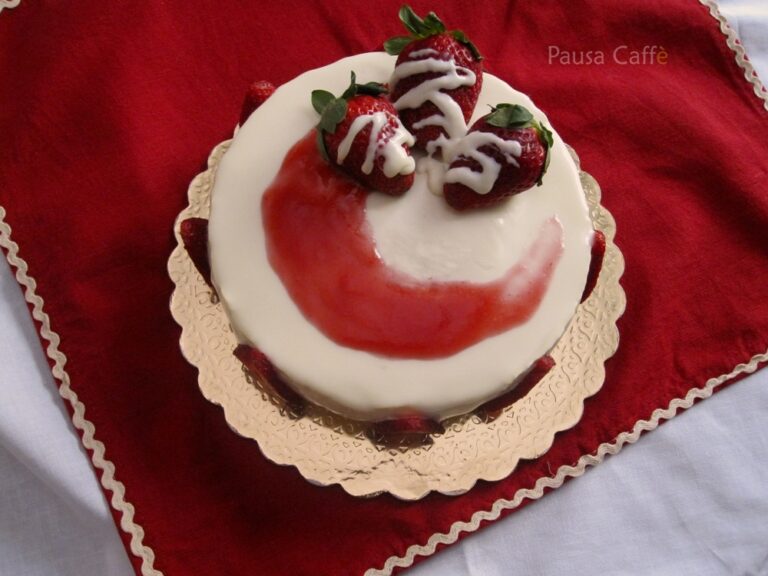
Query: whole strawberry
point(257, 93)
point(361, 134)
point(504, 153)
point(194, 235)
point(437, 78)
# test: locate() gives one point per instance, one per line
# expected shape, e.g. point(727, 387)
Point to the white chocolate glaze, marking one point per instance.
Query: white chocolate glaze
point(418, 234)
point(390, 146)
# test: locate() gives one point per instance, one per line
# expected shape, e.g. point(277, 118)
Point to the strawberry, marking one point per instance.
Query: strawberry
point(259, 366)
point(406, 428)
point(517, 146)
point(595, 265)
point(361, 133)
point(257, 94)
point(493, 408)
point(437, 78)
point(194, 235)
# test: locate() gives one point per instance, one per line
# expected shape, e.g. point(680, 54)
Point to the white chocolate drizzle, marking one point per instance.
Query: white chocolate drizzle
point(458, 143)
point(469, 147)
point(392, 148)
point(452, 76)
point(423, 52)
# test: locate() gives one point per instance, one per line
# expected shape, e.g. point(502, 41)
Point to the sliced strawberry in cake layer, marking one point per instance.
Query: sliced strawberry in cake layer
point(194, 235)
point(596, 264)
point(506, 152)
point(361, 134)
point(493, 408)
point(437, 78)
point(257, 363)
point(407, 429)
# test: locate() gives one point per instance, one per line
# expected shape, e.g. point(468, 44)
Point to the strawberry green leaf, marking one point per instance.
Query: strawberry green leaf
point(410, 20)
point(369, 88)
point(463, 39)
point(372, 89)
point(332, 115)
point(396, 44)
point(546, 135)
point(352, 88)
point(509, 116)
point(549, 141)
point(433, 25)
point(429, 26)
point(321, 99)
point(321, 146)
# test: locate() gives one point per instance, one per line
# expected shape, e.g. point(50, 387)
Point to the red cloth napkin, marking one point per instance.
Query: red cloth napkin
point(108, 110)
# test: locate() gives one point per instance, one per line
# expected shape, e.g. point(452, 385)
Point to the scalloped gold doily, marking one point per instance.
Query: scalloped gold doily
point(328, 449)
point(125, 509)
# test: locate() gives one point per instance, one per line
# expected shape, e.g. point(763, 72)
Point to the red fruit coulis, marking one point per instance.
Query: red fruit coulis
point(321, 246)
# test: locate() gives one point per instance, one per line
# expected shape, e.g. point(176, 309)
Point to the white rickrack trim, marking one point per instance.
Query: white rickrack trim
point(734, 43)
point(9, 4)
point(96, 448)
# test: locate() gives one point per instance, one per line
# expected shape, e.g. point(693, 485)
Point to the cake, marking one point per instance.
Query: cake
point(394, 342)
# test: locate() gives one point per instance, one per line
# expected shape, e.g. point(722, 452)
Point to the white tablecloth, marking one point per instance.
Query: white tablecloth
point(689, 498)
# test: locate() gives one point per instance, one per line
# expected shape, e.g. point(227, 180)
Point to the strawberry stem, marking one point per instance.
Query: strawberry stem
point(420, 28)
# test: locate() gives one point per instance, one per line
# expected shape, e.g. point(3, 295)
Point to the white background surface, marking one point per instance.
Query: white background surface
point(689, 498)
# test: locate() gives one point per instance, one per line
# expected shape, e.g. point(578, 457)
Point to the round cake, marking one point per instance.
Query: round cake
point(536, 242)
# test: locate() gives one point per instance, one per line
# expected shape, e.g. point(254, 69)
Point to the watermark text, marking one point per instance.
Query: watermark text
point(623, 55)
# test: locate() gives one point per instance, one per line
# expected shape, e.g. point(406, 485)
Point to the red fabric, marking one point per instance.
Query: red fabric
point(108, 110)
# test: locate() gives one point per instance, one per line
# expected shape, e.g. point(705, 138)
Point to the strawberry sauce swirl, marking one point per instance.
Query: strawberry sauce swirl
point(320, 245)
